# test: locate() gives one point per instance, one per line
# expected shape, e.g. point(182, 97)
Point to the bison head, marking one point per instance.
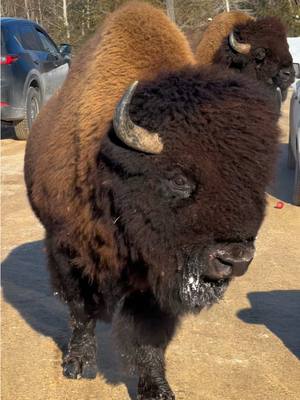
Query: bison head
point(186, 164)
point(259, 48)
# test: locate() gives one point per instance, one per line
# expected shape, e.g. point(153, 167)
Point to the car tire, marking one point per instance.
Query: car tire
point(32, 108)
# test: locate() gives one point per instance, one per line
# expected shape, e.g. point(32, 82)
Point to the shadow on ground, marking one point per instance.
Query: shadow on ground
point(279, 311)
point(283, 182)
point(26, 287)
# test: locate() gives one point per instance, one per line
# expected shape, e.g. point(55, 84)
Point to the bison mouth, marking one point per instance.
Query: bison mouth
point(281, 85)
point(278, 90)
point(190, 290)
point(204, 276)
point(197, 292)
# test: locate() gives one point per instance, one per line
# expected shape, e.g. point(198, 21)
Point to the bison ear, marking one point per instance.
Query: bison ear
point(132, 135)
point(260, 53)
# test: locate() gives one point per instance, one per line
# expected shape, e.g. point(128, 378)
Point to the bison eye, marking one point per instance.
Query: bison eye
point(178, 186)
point(260, 53)
point(180, 180)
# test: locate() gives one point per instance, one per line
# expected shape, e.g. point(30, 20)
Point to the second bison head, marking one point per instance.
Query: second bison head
point(259, 49)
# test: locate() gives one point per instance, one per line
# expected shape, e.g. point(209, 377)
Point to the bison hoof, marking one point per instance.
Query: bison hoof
point(76, 368)
point(148, 391)
point(157, 396)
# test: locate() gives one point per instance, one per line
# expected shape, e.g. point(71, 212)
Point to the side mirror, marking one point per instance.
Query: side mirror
point(65, 50)
point(297, 70)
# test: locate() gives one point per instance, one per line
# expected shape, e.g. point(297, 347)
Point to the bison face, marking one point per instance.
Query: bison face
point(272, 67)
point(188, 204)
point(260, 49)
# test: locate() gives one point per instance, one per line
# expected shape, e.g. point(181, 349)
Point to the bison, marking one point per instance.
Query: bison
point(148, 174)
point(256, 47)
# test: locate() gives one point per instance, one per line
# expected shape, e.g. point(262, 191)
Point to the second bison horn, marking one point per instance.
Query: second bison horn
point(133, 135)
point(243, 48)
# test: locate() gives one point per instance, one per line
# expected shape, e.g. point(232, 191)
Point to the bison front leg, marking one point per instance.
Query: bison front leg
point(143, 332)
point(80, 360)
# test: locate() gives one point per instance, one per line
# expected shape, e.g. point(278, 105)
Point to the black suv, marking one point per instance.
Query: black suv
point(32, 69)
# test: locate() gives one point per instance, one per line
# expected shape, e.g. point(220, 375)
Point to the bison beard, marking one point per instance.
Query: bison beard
point(196, 291)
point(140, 236)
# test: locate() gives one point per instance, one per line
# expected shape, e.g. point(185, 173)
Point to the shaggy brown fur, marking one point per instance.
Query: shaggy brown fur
point(213, 38)
point(138, 238)
point(136, 42)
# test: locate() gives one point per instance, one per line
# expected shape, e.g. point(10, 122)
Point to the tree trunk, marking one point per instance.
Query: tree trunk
point(171, 10)
point(27, 9)
point(40, 12)
point(66, 22)
point(88, 15)
point(227, 5)
point(82, 23)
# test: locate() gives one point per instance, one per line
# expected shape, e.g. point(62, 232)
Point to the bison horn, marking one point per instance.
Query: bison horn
point(243, 48)
point(133, 135)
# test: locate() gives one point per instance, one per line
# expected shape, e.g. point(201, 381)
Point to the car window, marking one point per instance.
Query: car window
point(29, 39)
point(47, 43)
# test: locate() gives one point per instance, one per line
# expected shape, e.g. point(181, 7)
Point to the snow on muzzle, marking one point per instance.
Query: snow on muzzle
point(206, 274)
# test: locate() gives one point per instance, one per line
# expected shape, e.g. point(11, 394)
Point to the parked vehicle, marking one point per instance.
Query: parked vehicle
point(294, 134)
point(32, 69)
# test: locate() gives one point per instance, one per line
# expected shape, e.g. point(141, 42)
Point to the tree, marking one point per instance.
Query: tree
point(66, 22)
point(170, 9)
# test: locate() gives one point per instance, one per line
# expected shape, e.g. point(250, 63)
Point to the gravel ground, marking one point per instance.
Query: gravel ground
point(245, 348)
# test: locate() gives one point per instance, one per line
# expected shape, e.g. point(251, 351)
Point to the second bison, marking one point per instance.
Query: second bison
point(151, 193)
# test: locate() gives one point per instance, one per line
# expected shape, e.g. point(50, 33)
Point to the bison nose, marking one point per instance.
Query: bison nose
point(229, 260)
point(285, 74)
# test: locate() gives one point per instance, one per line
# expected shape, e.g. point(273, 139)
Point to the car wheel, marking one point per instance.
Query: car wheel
point(296, 192)
point(32, 108)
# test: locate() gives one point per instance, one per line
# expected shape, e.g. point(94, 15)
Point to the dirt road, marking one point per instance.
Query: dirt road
point(245, 348)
